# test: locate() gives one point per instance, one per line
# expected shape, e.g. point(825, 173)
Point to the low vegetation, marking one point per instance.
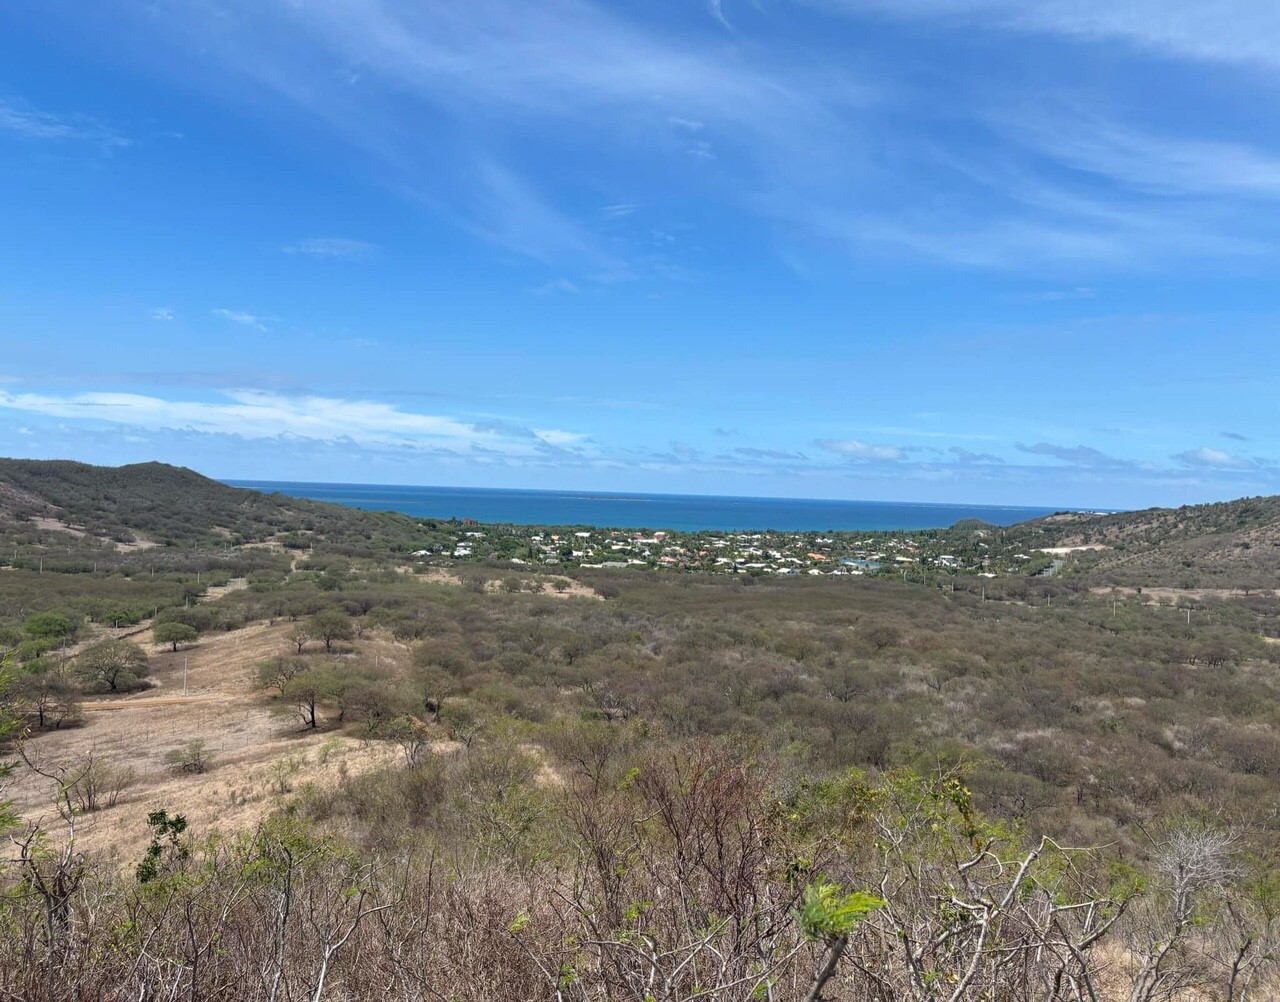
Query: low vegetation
point(631, 783)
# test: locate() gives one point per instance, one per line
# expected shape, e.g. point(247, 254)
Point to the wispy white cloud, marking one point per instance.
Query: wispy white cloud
point(717, 11)
point(561, 439)
point(853, 448)
point(780, 455)
point(555, 285)
point(1058, 178)
point(510, 211)
point(332, 247)
point(26, 122)
point(162, 313)
point(964, 455)
point(800, 140)
point(1147, 162)
point(254, 414)
point(1031, 226)
point(1075, 455)
point(1214, 459)
point(571, 69)
point(1230, 31)
point(242, 318)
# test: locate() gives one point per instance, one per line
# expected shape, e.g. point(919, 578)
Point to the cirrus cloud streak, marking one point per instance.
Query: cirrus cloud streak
point(255, 414)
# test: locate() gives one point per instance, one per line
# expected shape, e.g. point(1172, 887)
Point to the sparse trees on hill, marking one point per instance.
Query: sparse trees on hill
point(193, 757)
point(329, 625)
point(300, 636)
point(174, 633)
point(51, 626)
point(277, 672)
point(308, 690)
point(43, 632)
point(50, 698)
point(113, 665)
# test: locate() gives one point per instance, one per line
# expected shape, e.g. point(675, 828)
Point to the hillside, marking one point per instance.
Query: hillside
point(479, 764)
point(1231, 544)
point(105, 513)
point(153, 503)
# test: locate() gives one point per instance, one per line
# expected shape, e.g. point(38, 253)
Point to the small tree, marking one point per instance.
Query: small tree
point(299, 636)
point(277, 672)
point(174, 633)
point(193, 757)
point(49, 697)
point(411, 735)
point(308, 691)
point(48, 626)
point(114, 664)
point(168, 848)
point(330, 625)
point(95, 782)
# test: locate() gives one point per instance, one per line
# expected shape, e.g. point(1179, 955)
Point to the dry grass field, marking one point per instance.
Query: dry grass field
point(258, 754)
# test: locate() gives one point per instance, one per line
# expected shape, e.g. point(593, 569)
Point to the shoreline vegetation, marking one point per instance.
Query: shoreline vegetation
point(267, 748)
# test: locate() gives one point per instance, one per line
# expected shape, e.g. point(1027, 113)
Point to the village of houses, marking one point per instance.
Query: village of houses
point(755, 553)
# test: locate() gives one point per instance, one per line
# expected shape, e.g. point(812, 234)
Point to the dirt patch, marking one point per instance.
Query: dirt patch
point(259, 757)
point(442, 577)
point(557, 586)
point(217, 591)
point(1063, 550)
point(569, 588)
point(47, 524)
point(1171, 596)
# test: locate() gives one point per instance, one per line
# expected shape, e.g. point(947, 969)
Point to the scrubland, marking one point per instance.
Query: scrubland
point(391, 781)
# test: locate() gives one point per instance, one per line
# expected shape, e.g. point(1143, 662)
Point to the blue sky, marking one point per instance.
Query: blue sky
point(1005, 251)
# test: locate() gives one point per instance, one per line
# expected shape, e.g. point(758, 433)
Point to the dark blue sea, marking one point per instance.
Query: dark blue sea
point(679, 512)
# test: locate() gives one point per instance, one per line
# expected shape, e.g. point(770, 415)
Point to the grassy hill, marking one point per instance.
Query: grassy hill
point(1231, 544)
point(170, 505)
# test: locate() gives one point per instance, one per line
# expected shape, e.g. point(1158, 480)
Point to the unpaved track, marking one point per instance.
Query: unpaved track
point(147, 703)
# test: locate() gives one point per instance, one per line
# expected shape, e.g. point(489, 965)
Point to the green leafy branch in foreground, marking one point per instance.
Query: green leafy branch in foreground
point(829, 915)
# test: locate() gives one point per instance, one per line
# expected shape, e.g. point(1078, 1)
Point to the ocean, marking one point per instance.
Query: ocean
point(677, 512)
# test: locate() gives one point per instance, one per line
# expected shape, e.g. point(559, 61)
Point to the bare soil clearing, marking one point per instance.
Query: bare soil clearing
point(555, 586)
point(47, 524)
point(1171, 596)
point(259, 757)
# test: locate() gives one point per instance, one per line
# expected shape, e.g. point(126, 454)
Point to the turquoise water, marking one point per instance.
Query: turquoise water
point(678, 512)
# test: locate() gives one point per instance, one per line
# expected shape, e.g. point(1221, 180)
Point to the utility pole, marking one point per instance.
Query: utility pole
point(184, 674)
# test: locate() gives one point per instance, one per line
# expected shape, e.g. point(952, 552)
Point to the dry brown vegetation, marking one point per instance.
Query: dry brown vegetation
point(477, 784)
